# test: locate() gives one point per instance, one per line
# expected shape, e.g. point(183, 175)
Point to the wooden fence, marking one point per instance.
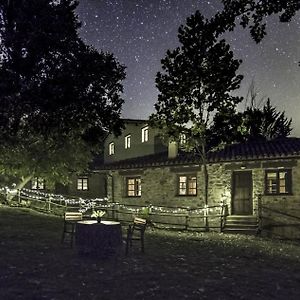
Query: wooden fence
point(181, 218)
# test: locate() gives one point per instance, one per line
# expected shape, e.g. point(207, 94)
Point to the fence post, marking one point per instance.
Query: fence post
point(19, 196)
point(187, 219)
point(49, 204)
point(259, 214)
point(206, 217)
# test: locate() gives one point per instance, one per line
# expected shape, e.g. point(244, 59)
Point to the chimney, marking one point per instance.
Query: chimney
point(172, 149)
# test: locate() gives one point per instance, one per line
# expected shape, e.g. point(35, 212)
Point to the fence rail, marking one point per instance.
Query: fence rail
point(203, 218)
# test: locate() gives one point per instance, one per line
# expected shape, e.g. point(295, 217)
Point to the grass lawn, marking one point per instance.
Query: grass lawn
point(35, 265)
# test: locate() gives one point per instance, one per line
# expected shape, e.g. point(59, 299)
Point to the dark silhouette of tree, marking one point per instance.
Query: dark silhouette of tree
point(254, 124)
point(265, 124)
point(196, 82)
point(252, 14)
point(59, 98)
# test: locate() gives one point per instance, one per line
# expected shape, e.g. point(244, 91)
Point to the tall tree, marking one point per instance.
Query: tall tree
point(59, 98)
point(196, 82)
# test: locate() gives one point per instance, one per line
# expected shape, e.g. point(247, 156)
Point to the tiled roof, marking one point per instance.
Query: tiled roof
point(281, 148)
point(285, 147)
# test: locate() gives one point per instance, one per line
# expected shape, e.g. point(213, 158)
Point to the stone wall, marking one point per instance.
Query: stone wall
point(159, 188)
point(96, 186)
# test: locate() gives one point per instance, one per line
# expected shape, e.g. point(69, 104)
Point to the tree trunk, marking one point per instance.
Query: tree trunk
point(19, 186)
point(205, 173)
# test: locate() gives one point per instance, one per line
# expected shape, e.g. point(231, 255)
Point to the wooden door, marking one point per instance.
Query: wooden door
point(242, 193)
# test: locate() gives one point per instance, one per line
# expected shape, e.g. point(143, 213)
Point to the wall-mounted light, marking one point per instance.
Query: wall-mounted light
point(243, 167)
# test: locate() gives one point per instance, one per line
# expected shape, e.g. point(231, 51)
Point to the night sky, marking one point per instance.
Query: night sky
point(139, 32)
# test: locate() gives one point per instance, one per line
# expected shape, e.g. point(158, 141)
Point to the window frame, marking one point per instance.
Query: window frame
point(127, 141)
point(137, 186)
point(39, 184)
point(111, 148)
point(182, 139)
point(288, 182)
point(145, 134)
point(80, 186)
point(189, 180)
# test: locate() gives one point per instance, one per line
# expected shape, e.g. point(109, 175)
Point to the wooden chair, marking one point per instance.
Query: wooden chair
point(70, 220)
point(136, 232)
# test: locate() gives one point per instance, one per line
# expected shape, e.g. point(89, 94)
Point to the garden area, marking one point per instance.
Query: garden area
point(176, 265)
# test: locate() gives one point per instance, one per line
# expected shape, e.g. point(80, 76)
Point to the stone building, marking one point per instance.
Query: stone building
point(253, 179)
point(257, 181)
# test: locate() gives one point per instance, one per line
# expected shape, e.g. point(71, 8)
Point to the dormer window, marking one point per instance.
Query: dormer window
point(145, 134)
point(111, 148)
point(182, 139)
point(38, 183)
point(127, 141)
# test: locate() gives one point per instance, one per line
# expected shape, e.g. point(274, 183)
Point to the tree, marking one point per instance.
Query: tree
point(59, 98)
point(255, 123)
point(252, 13)
point(196, 82)
point(265, 124)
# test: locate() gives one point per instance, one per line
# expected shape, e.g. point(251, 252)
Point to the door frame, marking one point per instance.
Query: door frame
point(233, 184)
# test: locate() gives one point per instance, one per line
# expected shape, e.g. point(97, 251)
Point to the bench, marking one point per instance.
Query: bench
point(136, 232)
point(70, 220)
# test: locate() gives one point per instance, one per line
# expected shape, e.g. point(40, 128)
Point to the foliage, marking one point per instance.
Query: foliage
point(197, 80)
point(254, 123)
point(98, 213)
point(266, 123)
point(252, 14)
point(59, 97)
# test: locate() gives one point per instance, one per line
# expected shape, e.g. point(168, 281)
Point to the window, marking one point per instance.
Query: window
point(182, 139)
point(127, 141)
point(145, 134)
point(111, 148)
point(134, 187)
point(278, 182)
point(187, 185)
point(82, 184)
point(38, 183)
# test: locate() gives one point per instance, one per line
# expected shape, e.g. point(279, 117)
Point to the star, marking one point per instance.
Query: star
point(139, 32)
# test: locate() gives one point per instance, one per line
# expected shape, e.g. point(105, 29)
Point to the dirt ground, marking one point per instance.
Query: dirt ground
point(176, 265)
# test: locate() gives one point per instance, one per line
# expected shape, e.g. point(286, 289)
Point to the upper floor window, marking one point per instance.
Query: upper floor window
point(82, 184)
point(38, 183)
point(134, 187)
point(145, 134)
point(127, 141)
point(187, 185)
point(278, 182)
point(111, 148)
point(182, 139)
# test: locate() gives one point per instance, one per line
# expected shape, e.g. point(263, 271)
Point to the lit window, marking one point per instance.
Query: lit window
point(278, 182)
point(127, 141)
point(145, 134)
point(38, 183)
point(182, 139)
point(134, 187)
point(187, 185)
point(82, 184)
point(111, 148)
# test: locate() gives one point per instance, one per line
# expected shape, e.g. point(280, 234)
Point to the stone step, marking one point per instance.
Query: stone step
point(241, 217)
point(241, 224)
point(240, 231)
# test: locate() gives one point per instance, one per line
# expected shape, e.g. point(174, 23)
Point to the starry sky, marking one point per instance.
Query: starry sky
point(139, 32)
